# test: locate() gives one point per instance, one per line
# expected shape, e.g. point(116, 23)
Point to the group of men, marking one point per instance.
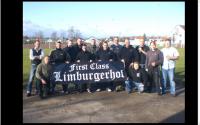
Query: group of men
point(143, 65)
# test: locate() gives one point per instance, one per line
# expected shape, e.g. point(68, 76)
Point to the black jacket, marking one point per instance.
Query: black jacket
point(128, 54)
point(138, 75)
point(142, 56)
point(154, 56)
point(84, 56)
point(72, 52)
point(105, 55)
point(77, 49)
point(59, 56)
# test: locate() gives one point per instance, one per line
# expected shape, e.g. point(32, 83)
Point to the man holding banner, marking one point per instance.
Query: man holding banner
point(105, 54)
point(59, 56)
point(83, 57)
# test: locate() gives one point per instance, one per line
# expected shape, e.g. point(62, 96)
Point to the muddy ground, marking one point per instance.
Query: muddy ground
point(105, 107)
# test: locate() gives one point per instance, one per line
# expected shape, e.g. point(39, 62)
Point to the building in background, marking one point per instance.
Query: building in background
point(178, 36)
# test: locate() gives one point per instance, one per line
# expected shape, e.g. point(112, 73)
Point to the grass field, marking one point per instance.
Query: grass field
point(179, 71)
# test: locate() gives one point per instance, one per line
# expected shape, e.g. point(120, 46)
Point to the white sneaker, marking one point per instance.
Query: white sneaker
point(88, 90)
point(109, 90)
point(98, 90)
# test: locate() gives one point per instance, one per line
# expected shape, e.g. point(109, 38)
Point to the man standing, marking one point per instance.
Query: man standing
point(59, 56)
point(70, 49)
point(36, 55)
point(142, 52)
point(127, 55)
point(77, 47)
point(93, 48)
point(170, 55)
point(105, 54)
point(154, 60)
point(116, 47)
point(84, 57)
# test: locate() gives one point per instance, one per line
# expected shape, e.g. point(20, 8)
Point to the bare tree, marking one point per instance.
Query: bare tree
point(62, 35)
point(39, 35)
point(73, 33)
point(54, 36)
point(70, 33)
point(77, 33)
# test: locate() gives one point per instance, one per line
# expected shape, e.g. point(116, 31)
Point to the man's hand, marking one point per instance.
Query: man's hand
point(37, 57)
point(140, 49)
point(122, 60)
point(90, 60)
point(67, 62)
point(43, 81)
point(110, 60)
point(99, 60)
point(78, 61)
point(153, 64)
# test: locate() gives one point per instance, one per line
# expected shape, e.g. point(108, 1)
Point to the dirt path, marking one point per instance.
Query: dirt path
point(106, 107)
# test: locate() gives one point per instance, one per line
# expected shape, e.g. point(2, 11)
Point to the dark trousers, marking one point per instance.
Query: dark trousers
point(82, 87)
point(44, 89)
point(104, 85)
point(154, 79)
point(91, 86)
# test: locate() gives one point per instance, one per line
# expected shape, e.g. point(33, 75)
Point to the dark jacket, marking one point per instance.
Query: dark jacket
point(142, 56)
point(36, 53)
point(72, 52)
point(77, 49)
point(154, 56)
point(128, 54)
point(59, 56)
point(138, 75)
point(116, 49)
point(105, 55)
point(93, 49)
point(84, 56)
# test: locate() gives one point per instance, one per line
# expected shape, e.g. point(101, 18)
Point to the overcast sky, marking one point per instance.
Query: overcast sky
point(103, 19)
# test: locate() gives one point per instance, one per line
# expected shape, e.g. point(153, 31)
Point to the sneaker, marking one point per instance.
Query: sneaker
point(64, 92)
point(88, 90)
point(98, 90)
point(109, 90)
point(28, 94)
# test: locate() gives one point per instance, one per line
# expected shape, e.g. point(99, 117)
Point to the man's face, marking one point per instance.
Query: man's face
point(167, 44)
point(136, 66)
point(127, 42)
point(37, 44)
point(105, 46)
point(69, 43)
point(115, 40)
point(152, 46)
point(141, 42)
point(93, 42)
point(84, 48)
point(58, 45)
point(46, 60)
point(78, 41)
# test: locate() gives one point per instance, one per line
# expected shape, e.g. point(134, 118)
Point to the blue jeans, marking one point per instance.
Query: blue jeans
point(130, 84)
point(170, 74)
point(32, 74)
